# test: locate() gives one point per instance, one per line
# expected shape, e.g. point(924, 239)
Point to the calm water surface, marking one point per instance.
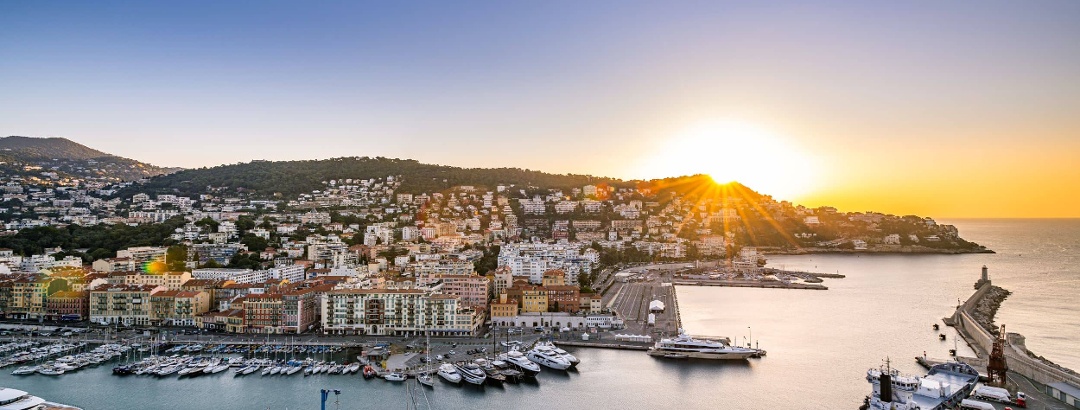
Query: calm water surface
point(820, 342)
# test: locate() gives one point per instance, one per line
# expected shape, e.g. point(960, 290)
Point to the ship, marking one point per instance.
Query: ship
point(943, 387)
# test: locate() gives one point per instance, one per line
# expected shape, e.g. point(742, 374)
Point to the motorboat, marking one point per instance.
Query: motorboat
point(369, 372)
point(395, 377)
point(50, 371)
point(518, 361)
point(471, 373)
point(25, 370)
point(449, 373)
point(546, 356)
point(494, 376)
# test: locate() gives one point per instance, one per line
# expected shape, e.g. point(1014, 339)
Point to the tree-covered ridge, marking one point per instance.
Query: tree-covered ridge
point(30, 147)
point(287, 179)
point(24, 155)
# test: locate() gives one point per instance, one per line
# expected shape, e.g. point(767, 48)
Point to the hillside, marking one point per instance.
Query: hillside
point(287, 179)
point(24, 155)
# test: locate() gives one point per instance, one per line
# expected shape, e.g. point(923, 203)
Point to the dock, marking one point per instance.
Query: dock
point(752, 284)
point(619, 346)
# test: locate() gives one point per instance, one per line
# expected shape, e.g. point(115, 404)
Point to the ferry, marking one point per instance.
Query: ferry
point(943, 387)
point(684, 346)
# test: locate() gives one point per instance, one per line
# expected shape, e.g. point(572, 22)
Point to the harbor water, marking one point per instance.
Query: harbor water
point(819, 343)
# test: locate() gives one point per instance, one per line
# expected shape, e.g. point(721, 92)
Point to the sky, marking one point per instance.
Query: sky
point(947, 109)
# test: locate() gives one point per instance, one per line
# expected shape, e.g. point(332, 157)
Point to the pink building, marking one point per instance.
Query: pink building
point(473, 290)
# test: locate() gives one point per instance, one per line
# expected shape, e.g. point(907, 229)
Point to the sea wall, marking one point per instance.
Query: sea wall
point(1016, 353)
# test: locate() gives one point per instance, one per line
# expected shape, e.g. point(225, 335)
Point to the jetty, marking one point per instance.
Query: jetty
point(752, 284)
point(1014, 351)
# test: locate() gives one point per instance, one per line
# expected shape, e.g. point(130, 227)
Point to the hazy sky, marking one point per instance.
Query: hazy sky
point(947, 109)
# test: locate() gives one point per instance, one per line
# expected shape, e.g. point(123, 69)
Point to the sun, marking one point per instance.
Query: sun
point(732, 151)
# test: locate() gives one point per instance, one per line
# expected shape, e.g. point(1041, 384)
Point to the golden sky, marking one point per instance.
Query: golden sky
point(943, 109)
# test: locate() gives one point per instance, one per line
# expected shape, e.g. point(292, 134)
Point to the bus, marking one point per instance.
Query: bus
point(74, 317)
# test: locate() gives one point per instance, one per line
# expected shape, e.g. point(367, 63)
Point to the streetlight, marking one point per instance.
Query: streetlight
point(751, 336)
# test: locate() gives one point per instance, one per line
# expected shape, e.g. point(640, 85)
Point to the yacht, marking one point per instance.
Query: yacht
point(449, 373)
point(50, 371)
point(471, 373)
point(518, 361)
point(25, 370)
point(494, 376)
point(684, 346)
point(15, 399)
point(545, 356)
point(569, 357)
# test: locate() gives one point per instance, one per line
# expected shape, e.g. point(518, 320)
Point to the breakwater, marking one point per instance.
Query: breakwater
point(972, 319)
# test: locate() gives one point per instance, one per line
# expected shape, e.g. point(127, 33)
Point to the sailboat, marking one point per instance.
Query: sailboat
point(425, 377)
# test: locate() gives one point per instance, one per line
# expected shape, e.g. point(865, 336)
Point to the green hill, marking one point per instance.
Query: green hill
point(287, 179)
point(20, 155)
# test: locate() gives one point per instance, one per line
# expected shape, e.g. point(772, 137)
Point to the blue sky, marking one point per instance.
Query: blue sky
point(586, 87)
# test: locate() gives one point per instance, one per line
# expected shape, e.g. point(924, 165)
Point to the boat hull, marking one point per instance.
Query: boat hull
point(702, 355)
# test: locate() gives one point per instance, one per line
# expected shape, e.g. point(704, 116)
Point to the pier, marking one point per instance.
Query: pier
point(1020, 361)
point(752, 284)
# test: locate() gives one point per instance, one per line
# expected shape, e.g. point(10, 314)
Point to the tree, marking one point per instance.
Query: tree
point(254, 243)
point(176, 258)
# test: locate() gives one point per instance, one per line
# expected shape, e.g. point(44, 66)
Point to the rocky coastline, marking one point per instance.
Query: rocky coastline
point(987, 308)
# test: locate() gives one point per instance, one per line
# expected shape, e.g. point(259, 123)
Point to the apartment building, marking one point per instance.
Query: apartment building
point(127, 304)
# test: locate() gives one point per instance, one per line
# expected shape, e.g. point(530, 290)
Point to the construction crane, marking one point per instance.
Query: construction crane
point(326, 394)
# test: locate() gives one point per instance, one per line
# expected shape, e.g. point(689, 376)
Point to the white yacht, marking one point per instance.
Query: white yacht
point(18, 399)
point(395, 377)
point(449, 373)
point(569, 357)
point(545, 356)
point(520, 362)
point(471, 373)
point(684, 346)
point(24, 370)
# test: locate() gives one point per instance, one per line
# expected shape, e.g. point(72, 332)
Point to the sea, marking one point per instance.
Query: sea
point(819, 343)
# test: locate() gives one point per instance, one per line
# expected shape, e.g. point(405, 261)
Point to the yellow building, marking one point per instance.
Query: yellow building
point(178, 308)
point(554, 277)
point(534, 299)
point(505, 307)
point(127, 304)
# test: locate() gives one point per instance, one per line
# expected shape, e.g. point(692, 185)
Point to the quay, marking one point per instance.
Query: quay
point(619, 346)
point(752, 284)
